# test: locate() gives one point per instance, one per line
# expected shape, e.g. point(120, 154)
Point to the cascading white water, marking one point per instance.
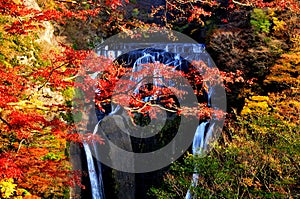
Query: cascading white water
point(100, 179)
point(198, 143)
point(139, 64)
point(94, 180)
point(150, 56)
point(202, 130)
point(199, 146)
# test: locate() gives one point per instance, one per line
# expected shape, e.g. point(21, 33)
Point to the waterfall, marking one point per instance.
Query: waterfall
point(198, 141)
point(136, 60)
point(203, 130)
point(138, 65)
point(95, 176)
point(198, 144)
point(95, 171)
point(151, 56)
point(95, 185)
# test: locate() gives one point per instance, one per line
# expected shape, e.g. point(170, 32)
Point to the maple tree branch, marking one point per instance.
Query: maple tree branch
point(241, 4)
point(19, 147)
point(68, 1)
point(153, 105)
point(6, 122)
point(25, 104)
point(70, 78)
point(51, 72)
point(135, 85)
point(149, 104)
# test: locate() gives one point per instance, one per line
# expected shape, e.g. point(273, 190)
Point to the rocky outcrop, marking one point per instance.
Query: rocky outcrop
point(113, 128)
point(47, 33)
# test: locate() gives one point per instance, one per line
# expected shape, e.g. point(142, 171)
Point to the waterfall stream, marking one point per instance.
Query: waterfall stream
point(203, 130)
point(95, 176)
point(198, 146)
point(94, 180)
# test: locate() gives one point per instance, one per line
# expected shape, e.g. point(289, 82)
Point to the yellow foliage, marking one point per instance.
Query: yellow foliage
point(259, 98)
point(256, 104)
point(292, 57)
point(279, 25)
point(68, 93)
point(287, 107)
point(46, 4)
point(248, 181)
point(295, 38)
point(7, 187)
point(271, 12)
point(286, 70)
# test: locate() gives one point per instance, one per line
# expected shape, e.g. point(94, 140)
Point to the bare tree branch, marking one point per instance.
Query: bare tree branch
point(5, 122)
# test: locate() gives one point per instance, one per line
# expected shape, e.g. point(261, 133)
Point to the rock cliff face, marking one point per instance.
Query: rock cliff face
point(124, 183)
point(77, 157)
point(47, 33)
point(117, 184)
point(45, 95)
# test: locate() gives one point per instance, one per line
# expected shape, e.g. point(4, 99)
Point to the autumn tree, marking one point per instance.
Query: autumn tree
point(260, 138)
point(37, 85)
point(36, 90)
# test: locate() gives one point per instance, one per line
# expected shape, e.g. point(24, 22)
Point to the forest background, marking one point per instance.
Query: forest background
point(43, 43)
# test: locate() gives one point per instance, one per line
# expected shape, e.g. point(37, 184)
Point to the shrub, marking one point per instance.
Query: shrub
point(260, 21)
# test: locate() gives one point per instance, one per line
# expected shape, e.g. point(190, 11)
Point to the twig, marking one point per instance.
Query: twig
point(65, 1)
point(242, 4)
point(20, 145)
point(5, 122)
point(51, 72)
point(149, 104)
point(70, 78)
